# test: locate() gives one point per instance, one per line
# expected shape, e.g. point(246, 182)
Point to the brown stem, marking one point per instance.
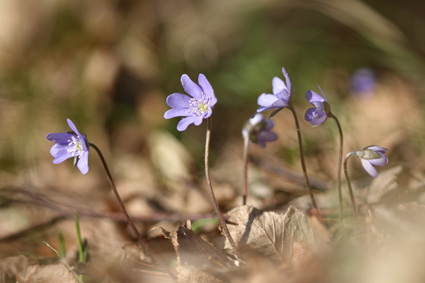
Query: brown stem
point(245, 170)
point(133, 228)
point(304, 168)
point(211, 192)
point(350, 190)
point(339, 167)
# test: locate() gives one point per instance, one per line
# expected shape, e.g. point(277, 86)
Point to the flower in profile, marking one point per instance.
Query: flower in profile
point(280, 98)
point(259, 130)
point(195, 108)
point(372, 156)
point(319, 113)
point(68, 145)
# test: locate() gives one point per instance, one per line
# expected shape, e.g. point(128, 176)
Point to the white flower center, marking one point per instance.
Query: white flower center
point(76, 148)
point(199, 106)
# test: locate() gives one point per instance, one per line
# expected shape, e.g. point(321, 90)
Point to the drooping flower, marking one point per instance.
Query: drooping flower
point(259, 130)
point(70, 145)
point(281, 96)
point(194, 109)
point(319, 113)
point(372, 156)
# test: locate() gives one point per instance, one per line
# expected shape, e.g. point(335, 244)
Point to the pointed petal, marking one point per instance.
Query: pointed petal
point(278, 85)
point(324, 97)
point(83, 163)
point(369, 168)
point(177, 112)
point(72, 126)
point(288, 80)
point(205, 85)
point(60, 138)
point(178, 100)
point(184, 123)
point(190, 87)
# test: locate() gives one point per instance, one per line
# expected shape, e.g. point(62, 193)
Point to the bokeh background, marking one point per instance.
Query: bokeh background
point(109, 66)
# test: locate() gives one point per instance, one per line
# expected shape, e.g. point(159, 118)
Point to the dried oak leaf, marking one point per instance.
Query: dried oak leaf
point(276, 236)
point(47, 274)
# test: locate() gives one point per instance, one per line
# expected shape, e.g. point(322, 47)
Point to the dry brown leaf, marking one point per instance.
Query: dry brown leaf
point(189, 275)
point(385, 183)
point(271, 234)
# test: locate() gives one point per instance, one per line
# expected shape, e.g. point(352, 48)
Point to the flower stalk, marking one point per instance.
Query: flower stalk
point(350, 189)
point(304, 168)
point(245, 170)
point(147, 249)
point(339, 165)
point(211, 191)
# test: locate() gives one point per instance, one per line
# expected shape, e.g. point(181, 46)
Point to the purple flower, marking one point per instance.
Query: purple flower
point(319, 113)
point(281, 95)
point(68, 145)
point(194, 109)
point(372, 156)
point(363, 82)
point(259, 130)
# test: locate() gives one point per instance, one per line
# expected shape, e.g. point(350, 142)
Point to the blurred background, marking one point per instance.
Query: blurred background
point(109, 66)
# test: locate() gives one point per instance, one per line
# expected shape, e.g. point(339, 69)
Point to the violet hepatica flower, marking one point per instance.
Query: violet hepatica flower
point(281, 96)
point(68, 145)
point(193, 108)
point(363, 82)
point(372, 156)
point(259, 130)
point(319, 113)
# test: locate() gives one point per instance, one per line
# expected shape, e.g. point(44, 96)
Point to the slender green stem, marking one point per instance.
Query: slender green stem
point(147, 249)
point(80, 241)
point(339, 167)
point(245, 170)
point(211, 192)
point(304, 168)
point(350, 189)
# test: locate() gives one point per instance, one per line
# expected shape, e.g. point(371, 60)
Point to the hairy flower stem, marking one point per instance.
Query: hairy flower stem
point(339, 167)
point(147, 249)
point(211, 192)
point(350, 189)
point(304, 168)
point(245, 170)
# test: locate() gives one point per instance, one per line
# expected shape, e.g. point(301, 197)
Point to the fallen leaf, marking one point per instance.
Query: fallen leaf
point(271, 234)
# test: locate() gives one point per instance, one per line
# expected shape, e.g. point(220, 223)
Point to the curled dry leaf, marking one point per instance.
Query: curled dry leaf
point(276, 236)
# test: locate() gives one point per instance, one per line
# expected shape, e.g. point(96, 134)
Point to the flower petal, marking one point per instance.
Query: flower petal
point(60, 153)
point(184, 123)
point(178, 100)
point(265, 100)
point(288, 80)
point(72, 126)
point(83, 163)
point(369, 168)
point(266, 136)
point(278, 85)
point(60, 138)
point(198, 120)
point(379, 161)
point(205, 85)
point(315, 117)
point(313, 97)
point(377, 148)
point(177, 112)
point(190, 87)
